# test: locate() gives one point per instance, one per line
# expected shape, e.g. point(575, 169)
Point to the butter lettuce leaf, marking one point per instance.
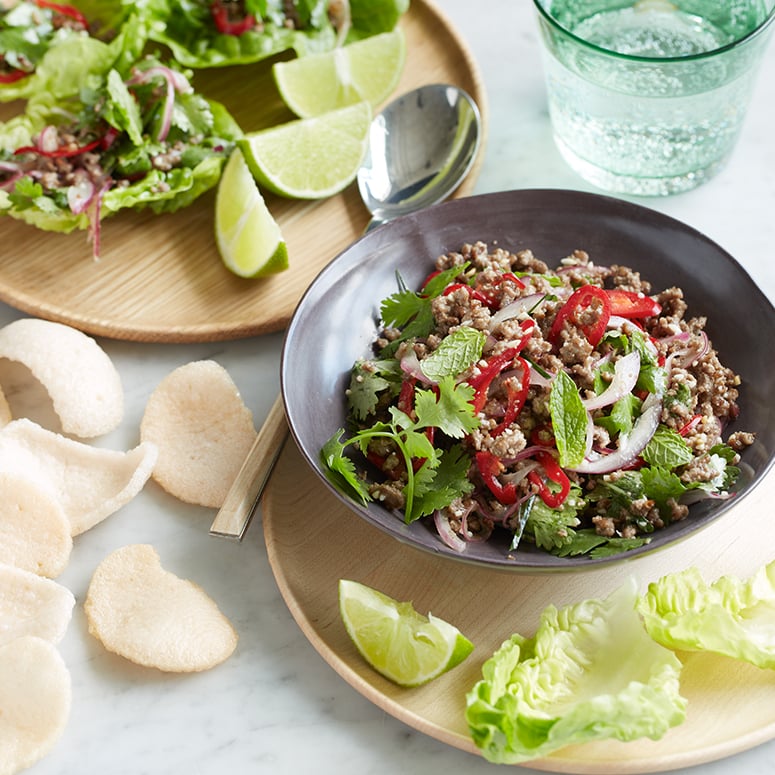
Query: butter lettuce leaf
point(731, 616)
point(302, 26)
point(590, 672)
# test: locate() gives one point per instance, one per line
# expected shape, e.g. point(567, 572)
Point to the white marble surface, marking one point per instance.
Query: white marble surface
point(276, 706)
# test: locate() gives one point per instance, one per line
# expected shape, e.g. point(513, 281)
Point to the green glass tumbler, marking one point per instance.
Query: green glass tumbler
point(648, 98)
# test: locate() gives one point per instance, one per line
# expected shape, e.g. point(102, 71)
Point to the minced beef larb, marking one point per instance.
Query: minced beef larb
point(573, 408)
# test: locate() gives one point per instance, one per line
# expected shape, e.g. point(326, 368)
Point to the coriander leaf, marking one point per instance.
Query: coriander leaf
point(667, 449)
point(341, 469)
point(661, 485)
point(452, 411)
point(622, 415)
point(366, 383)
point(553, 528)
point(399, 308)
point(436, 285)
point(449, 481)
point(614, 546)
point(681, 394)
point(457, 352)
point(569, 420)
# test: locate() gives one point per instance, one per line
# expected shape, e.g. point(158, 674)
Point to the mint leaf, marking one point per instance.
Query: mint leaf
point(456, 353)
point(451, 411)
point(569, 420)
point(667, 449)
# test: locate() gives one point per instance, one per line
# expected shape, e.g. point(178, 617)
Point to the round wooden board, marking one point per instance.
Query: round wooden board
point(313, 541)
point(160, 278)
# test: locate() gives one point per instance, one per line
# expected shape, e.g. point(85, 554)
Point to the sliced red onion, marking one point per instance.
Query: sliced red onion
point(626, 372)
point(447, 534)
point(14, 173)
point(410, 365)
point(175, 82)
point(48, 139)
point(80, 195)
point(515, 309)
point(631, 445)
point(536, 378)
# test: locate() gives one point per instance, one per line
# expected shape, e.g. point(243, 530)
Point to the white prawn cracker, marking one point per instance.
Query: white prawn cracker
point(146, 614)
point(32, 605)
point(79, 377)
point(204, 431)
point(90, 483)
point(35, 697)
point(34, 529)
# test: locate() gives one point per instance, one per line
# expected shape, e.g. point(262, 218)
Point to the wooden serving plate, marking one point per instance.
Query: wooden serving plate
point(160, 278)
point(313, 540)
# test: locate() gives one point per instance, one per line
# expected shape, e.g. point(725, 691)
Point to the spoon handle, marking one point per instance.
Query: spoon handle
point(240, 503)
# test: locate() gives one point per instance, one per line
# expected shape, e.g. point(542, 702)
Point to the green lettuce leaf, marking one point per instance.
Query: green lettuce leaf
point(187, 28)
point(590, 672)
point(731, 616)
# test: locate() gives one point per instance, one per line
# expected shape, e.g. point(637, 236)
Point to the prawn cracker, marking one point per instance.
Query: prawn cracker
point(90, 483)
point(36, 697)
point(32, 605)
point(79, 377)
point(34, 530)
point(146, 614)
point(204, 431)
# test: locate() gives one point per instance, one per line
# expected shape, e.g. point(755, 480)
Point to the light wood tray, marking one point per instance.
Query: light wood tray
point(160, 278)
point(313, 541)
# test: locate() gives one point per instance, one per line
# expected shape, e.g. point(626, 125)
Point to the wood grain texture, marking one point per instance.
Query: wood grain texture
point(313, 541)
point(160, 278)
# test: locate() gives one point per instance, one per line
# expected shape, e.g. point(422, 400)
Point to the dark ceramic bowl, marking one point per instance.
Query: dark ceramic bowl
point(337, 320)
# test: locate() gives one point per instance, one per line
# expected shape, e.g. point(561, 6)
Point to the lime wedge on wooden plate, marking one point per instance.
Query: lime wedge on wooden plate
point(310, 158)
point(367, 70)
point(248, 237)
point(406, 647)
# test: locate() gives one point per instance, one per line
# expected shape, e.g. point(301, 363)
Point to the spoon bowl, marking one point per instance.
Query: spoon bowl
point(421, 146)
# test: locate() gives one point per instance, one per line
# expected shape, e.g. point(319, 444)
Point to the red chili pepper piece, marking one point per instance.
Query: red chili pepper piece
point(481, 382)
point(60, 153)
point(65, 10)
point(226, 25)
point(406, 397)
point(489, 468)
point(543, 435)
point(516, 398)
point(628, 304)
point(474, 294)
point(691, 425)
point(13, 76)
point(556, 474)
point(580, 300)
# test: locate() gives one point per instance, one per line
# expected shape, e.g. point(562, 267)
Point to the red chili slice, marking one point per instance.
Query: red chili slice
point(481, 382)
point(628, 304)
point(60, 153)
point(226, 25)
point(489, 468)
point(553, 472)
point(65, 10)
point(580, 300)
point(13, 76)
point(516, 398)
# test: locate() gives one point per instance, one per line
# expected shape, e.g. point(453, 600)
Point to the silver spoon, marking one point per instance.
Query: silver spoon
point(421, 146)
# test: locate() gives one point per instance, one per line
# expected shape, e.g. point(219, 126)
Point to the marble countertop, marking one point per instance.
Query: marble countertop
point(275, 706)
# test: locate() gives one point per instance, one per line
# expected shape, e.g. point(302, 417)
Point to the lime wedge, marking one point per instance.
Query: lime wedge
point(367, 70)
point(406, 647)
point(310, 158)
point(248, 237)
